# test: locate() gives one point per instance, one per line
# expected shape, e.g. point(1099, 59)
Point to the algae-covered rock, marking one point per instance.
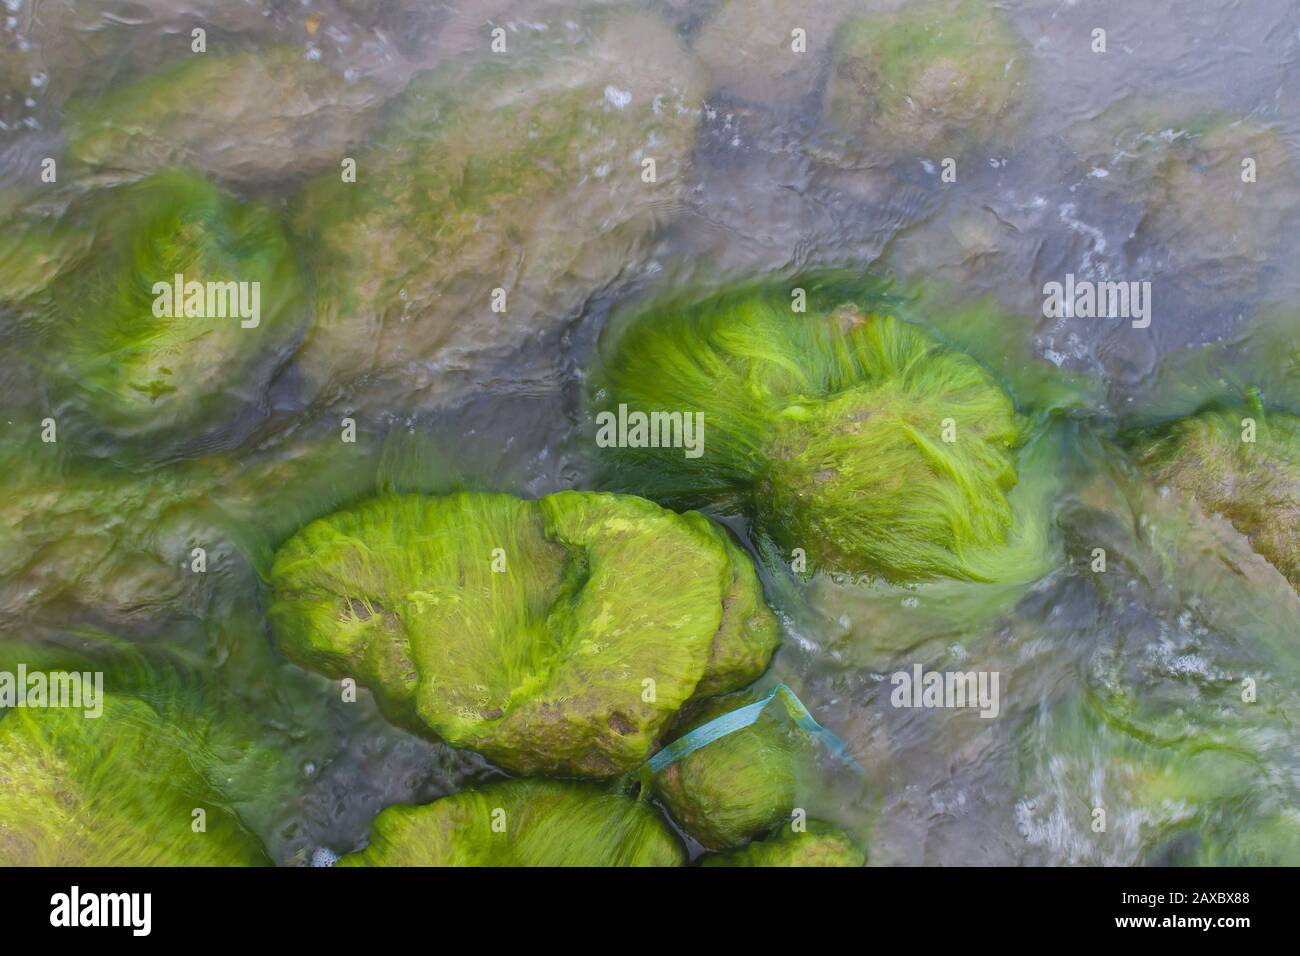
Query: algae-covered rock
point(933, 76)
point(113, 790)
point(739, 785)
point(554, 636)
point(120, 345)
point(1159, 777)
point(749, 631)
point(843, 431)
point(53, 50)
point(1254, 484)
point(523, 823)
point(818, 845)
point(93, 542)
point(294, 116)
point(34, 248)
point(1270, 840)
point(519, 172)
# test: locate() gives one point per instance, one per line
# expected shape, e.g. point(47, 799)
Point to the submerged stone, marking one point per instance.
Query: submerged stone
point(1243, 466)
point(98, 544)
point(928, 79)
point(294, 116)
point(774, 64)
point(844, 432)
point(1151, 779)
point(502, 191)
point(58, 49)
point(819, 845)
point(554, 636)
point(739, 785)
point(1214, 190)
point(167, 306)
point(523, 823)
point(120, 789)
point(1271, 840)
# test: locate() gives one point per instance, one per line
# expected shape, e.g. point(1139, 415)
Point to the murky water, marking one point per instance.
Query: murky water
point(1119, 690)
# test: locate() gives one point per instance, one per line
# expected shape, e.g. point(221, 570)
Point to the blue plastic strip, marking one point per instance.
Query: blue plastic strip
point(742, 717)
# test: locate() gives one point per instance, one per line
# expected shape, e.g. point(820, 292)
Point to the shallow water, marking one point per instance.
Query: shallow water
point(764, 190)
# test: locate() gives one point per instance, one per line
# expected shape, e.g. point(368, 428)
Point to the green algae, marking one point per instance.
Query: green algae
point(553, 636)
point(935, 76)
point(119, 789)
point(819, 844)
point(872, 622)
point(845, 432)
point(522, 823)
point(1157, 786)
point(116, 350)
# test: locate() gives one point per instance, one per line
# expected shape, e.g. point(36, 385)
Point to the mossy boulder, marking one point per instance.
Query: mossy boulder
point(118, 351)
point(928, 79)
point(554, 636)
point(295, 116)
point(749, 630)
point(845, 432)
point(818, 845)
point(739, 785)
point(115, 790)
point(523, 823)
point(1255, 485)
point(520, 172)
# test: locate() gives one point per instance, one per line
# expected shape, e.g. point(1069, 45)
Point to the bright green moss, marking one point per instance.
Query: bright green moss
point(818, 845)
point(1255, 485)
point(521, 173)
point(828, 427)
point(116, 790)
point(554, 636)
point(522, 823)
point(933, 76)
point(737, 786)
point(294, 116)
